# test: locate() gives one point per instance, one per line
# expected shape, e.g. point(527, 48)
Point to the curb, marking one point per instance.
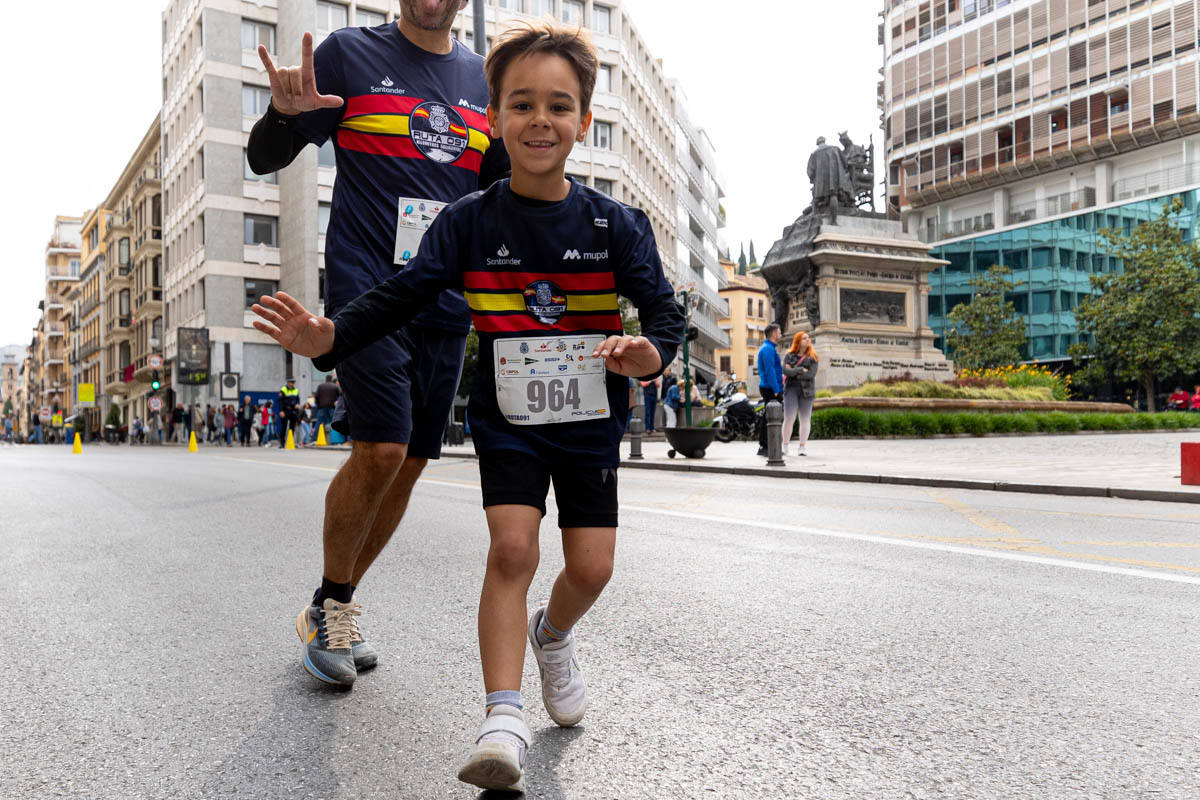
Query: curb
point(1115, 492)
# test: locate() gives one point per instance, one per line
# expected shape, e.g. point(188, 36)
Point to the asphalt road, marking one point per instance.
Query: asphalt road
point(760, 639)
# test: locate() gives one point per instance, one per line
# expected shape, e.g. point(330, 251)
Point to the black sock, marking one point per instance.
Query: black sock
point(340, 592)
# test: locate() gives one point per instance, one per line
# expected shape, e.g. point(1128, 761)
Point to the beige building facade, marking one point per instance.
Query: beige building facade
point(747, 319)
point(51, 353)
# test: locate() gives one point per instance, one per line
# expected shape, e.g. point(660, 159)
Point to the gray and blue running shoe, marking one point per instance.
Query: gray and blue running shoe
point(365, 655)
point(326, 641)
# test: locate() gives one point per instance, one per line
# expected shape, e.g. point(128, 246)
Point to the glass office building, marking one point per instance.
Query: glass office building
point(1052, 261)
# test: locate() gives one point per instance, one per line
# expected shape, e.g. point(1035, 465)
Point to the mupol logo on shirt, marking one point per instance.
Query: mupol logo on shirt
point(464, 103)
point(545, 301)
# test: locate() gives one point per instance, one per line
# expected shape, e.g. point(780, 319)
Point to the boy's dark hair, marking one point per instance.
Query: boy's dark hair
point(772, 328)
point(528, 38)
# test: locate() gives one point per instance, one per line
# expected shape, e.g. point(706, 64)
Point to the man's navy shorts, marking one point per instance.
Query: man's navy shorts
point(401, 389)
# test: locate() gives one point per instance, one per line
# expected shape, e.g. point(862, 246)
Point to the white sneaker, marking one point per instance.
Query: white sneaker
point(786, 451)
point(563, 691)
point(497, 760)
point(800, 451)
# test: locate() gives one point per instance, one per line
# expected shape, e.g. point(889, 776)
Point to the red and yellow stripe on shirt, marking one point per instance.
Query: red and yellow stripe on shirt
point(381, 124)
point(497, 301)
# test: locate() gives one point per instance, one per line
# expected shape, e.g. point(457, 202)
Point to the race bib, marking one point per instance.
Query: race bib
point(414, 218)
point(550, 380)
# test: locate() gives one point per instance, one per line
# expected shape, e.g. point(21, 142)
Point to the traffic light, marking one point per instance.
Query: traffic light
point(692, 333)
point(155, 384)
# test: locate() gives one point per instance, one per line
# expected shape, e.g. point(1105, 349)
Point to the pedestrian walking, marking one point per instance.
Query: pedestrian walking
point(245, 418)
point(266, 424)
point(424, 143)
point(542, 78)
point(650, 400)
point(770, 377)
point(288, 410)
point(8, 428)
point(326, 396)
point(37, 428)
point(210, 424)
point(231, 422)
point(306, 424)
point(178, 427)
point(800, 389)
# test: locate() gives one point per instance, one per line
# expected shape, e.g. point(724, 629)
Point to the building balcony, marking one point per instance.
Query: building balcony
point(1157, 182)
point(148, 241)
point(60, 273)
point(710, 331)
point(114, 382)
point(89, 306)
point(936, 232)
point(119, 222)
point(149, 300)
point(52, 361)
point(118, 274)
point(54, 302)
point(1052, 206)
point(88, 350)
point(120, 327)
point(55, 329)
point(703, 215)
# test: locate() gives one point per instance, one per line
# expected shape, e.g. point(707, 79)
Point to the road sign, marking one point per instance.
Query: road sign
point(87, 394)
point(56, 420)
point(154, 362)
point(44, 413)
point(156, 404)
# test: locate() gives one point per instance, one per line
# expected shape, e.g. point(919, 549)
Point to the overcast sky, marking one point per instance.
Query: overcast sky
point(763, 77)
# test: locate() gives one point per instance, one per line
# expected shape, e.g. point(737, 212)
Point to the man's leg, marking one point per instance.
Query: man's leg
point(353, 502)
point(387, 518)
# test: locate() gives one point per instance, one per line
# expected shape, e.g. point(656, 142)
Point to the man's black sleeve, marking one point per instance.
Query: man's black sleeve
point(495, 165)
point(274, 142)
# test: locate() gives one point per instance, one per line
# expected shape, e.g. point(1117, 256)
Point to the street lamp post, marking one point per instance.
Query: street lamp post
point(687, 372)
point(480, 29)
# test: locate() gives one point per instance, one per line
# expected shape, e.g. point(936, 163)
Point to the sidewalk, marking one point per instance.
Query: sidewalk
point(1137, 466)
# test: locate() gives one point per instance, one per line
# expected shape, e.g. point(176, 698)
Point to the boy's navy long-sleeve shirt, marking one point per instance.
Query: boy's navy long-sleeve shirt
point(504, 253)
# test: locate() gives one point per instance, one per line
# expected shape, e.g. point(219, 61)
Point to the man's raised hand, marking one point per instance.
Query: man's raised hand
point(294, 89)
point(291, 324)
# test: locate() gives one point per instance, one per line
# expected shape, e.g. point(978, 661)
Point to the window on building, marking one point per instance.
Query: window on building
point(331, 17)
point(255, 100)
point(572, 12)
point(325, 155)
point(261, 229)
point(1058, 120)
point(604, 78)
point(123, 252)
point(760, 308)
point(602, 135)
point(541, 8)
point(604, 185)
point(323, 210)
point(255, 33)
point(248, 174)
point(513, 5)
point(255, 288)
point(749, 307)
point(1118, 102)
point(369, 19)
point(602, 19)
point(73, 265)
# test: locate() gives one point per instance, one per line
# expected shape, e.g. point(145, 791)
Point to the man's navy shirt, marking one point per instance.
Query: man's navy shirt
point(495, 247)
point(413, 125)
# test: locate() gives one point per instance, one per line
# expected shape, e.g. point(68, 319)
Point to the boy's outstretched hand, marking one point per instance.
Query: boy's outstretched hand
point(291, 324)
point(632, 356)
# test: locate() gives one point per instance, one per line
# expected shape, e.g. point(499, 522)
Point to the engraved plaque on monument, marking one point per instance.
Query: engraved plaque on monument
point(857, 281)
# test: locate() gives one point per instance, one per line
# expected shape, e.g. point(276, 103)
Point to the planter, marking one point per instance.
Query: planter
point(691, 442)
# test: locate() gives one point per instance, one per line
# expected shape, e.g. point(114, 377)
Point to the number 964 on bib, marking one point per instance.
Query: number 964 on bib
point(552, 380)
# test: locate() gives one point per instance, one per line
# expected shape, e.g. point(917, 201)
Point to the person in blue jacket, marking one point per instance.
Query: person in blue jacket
point(770, 377)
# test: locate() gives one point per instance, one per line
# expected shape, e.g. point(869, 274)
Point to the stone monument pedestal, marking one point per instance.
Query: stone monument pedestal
point(867, 282)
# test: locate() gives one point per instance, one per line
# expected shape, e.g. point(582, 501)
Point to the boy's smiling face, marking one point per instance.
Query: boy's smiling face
point(540, 120)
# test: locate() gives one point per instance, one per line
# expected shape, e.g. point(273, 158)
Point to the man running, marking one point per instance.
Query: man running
point(405, 106)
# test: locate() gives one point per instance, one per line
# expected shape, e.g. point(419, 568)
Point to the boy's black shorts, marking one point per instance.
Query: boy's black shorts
point(586, 496)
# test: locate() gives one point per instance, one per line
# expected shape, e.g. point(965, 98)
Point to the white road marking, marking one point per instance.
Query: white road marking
point(831, 534)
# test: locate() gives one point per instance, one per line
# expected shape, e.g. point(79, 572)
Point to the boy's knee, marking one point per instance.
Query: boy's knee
point(513, 558)
point(591, 576)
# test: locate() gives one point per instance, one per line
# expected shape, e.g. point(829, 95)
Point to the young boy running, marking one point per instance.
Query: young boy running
point(541, 261)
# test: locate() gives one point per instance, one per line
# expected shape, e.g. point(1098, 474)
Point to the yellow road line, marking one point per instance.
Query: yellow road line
point(1184, 545)
point(979, 518)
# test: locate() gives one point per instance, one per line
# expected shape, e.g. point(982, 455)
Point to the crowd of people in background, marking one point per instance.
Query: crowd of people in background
point(1180, 400)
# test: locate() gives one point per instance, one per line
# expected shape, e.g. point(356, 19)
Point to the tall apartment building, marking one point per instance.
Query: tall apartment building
point(1014, 131)
point(50, 352)
point(230, 236)
point(10, 367)
point(132, 300)
point(86, 299)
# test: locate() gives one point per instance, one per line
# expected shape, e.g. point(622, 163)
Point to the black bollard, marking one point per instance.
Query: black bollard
point(774, 412)
point(637, 427)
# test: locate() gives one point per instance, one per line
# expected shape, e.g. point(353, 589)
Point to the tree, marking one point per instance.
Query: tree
point(1144, 321)
point(470, 364)
point(741, 270)
point(986, 332)
point(753, 258)
point(8, 406)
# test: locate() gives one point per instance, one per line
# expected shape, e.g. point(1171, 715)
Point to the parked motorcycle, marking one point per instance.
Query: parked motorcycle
point(735, 416)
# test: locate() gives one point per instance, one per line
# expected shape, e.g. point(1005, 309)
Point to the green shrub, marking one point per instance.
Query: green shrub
point(1004, 423)
point(977, 424)
point(949, 391)
point(925, 424)
point(1175, 420)
point(1058, 422)
point(1023, 423)
point(949, 424)
point(835, 423)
